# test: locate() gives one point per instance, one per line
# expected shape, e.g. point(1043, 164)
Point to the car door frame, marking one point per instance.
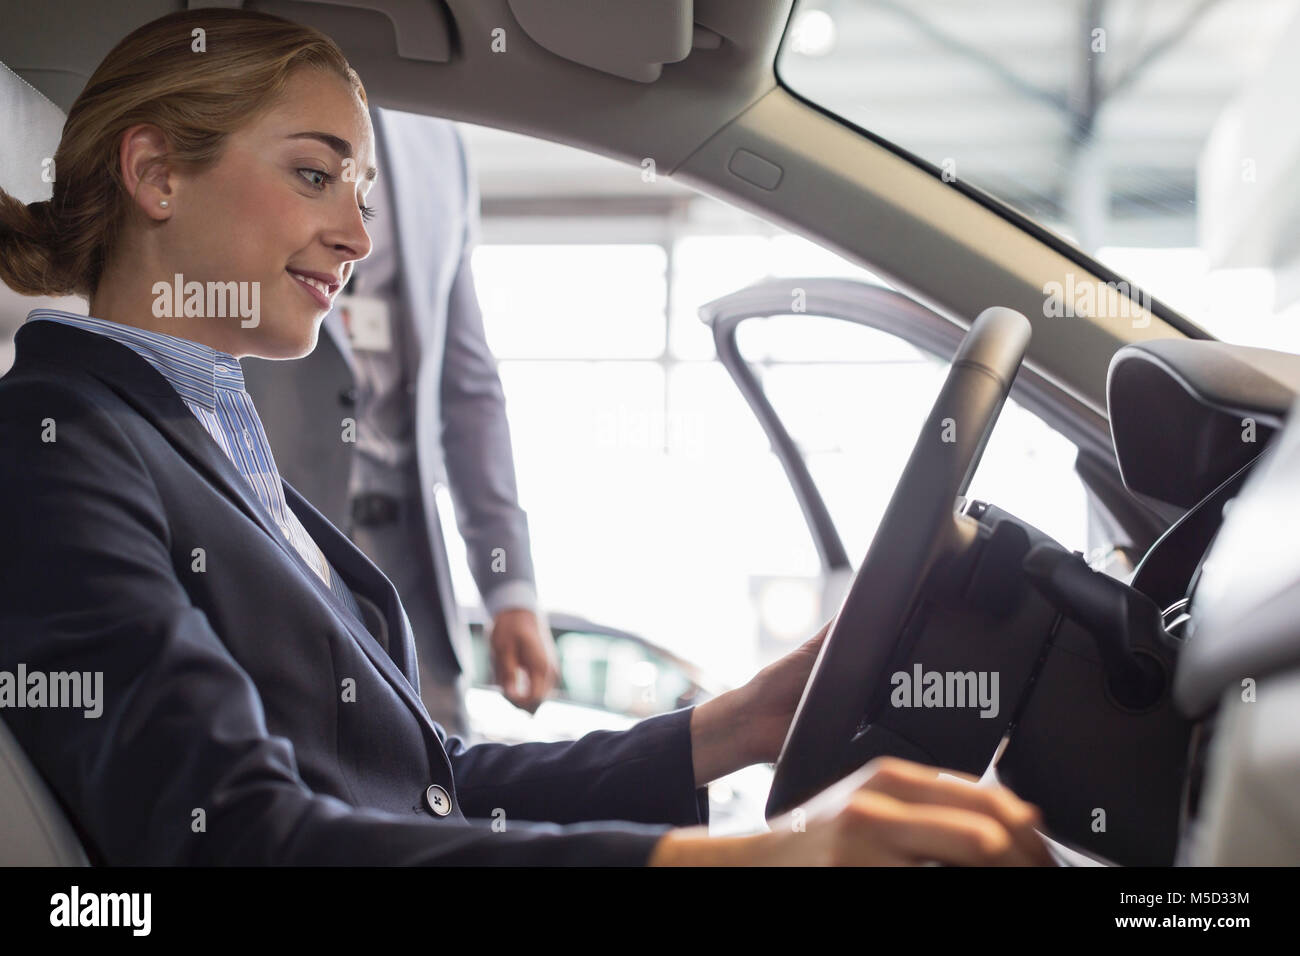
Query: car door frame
point(1135, 522)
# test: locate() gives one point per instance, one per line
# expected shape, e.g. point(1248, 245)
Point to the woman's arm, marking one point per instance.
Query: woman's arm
point(748, 725)
point(655, 772)
point(643, 774)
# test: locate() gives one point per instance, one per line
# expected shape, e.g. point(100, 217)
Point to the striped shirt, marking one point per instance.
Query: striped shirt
point(211, 384)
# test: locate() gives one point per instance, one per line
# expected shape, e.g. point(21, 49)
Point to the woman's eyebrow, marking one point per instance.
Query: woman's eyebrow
point(336, 143)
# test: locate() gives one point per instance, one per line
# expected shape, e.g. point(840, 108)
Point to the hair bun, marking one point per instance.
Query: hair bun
point(42, 218)
point(28, 242)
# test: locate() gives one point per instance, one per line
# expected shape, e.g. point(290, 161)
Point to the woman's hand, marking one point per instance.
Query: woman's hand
point(892, 812)
point(772, 695)
point(748, 725)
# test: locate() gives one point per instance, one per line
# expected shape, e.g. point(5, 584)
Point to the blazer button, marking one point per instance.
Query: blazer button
point(348, 397)
point(438, 799)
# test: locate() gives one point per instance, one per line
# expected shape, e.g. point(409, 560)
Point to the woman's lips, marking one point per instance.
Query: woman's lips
point(323, 300)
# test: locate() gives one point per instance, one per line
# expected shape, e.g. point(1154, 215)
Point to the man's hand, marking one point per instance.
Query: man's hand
point(517, 643)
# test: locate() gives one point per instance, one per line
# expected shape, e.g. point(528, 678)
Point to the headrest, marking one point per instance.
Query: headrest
point(30, 129)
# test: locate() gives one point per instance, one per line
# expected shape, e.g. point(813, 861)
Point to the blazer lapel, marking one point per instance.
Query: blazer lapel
point(362, 576)
point(398, 662)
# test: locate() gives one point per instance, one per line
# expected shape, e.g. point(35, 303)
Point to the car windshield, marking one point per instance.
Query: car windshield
point(1156, 135)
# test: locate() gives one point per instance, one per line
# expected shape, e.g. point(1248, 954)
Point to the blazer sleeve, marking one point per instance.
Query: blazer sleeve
point(182, 735)
point(643, 774)
point(476, 436)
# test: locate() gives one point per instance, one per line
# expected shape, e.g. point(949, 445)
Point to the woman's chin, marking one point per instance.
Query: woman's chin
point(289, 343)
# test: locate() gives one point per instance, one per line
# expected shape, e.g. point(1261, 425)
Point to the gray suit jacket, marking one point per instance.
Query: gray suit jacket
point(462, 437)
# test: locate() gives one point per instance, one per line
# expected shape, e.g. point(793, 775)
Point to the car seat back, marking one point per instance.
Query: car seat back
point(34, 831)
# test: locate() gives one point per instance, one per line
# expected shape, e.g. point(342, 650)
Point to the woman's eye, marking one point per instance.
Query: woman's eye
point(324, 180)
point(318, 179)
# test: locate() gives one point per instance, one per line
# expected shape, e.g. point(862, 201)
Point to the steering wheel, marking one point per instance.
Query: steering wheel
point(918, 531)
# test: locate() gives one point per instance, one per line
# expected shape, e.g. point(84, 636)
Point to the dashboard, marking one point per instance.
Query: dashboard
point(1204, 425)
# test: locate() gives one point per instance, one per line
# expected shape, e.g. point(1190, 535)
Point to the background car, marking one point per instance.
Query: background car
point(609, 679)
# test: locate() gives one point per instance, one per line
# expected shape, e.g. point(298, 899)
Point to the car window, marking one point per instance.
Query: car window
point(854, 399)
point(615, 673)
point(1156, 135)
point(655, 504)
point(610, 672)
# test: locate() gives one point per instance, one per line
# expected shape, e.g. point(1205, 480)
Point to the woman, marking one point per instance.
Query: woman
point(257, 702)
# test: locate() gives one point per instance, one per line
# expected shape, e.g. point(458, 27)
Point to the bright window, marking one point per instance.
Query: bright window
point(1157, 135)
point(654, 500)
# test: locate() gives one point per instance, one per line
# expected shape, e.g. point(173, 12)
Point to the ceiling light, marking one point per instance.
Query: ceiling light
point(813, 33)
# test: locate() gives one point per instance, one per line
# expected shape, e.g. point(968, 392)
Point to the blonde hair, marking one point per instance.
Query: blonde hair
point(61, 246)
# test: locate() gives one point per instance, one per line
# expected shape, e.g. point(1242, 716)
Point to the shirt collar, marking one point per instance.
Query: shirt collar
point(195, 370)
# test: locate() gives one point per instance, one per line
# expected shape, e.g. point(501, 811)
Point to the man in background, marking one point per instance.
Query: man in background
point(402, 394)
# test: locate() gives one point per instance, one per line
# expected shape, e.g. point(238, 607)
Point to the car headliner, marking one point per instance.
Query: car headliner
point(955, 249)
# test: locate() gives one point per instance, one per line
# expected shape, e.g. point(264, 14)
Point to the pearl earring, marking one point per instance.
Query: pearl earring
point(164, 203)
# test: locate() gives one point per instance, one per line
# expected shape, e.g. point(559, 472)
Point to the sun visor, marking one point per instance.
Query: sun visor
point(628, 38)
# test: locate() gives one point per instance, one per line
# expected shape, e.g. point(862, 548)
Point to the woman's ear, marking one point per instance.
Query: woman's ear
point(148, 179)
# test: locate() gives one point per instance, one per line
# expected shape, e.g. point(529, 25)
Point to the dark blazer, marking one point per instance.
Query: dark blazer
point(247, 717)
